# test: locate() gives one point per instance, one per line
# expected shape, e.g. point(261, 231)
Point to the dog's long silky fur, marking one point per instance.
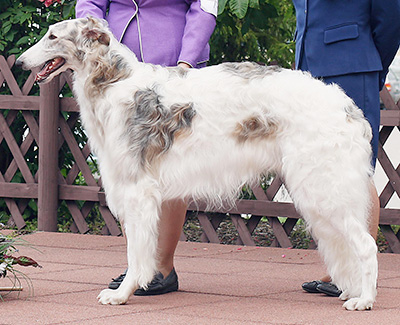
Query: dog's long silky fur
point(171, 133)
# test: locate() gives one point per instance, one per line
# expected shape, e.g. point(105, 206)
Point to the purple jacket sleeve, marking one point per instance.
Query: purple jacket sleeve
point(385, 23)
point(86, 8)
point(199, 27)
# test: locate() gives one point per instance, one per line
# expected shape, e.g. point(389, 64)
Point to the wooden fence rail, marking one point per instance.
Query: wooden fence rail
point(50, 137)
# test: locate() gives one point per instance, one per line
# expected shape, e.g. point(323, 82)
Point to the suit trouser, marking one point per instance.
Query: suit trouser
point(363, 88)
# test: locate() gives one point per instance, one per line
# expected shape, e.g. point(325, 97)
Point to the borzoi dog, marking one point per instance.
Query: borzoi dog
point(167, 133)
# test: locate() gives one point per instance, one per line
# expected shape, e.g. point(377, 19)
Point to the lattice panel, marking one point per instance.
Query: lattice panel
point(390, 119)
point(79, 189)
point(262, 205)
point(17, 175)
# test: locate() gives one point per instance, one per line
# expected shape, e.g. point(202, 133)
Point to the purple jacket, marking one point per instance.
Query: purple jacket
point(163, 32)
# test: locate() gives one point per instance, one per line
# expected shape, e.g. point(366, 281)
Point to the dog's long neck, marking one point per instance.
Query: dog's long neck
point(107, 68)
point(104, 68)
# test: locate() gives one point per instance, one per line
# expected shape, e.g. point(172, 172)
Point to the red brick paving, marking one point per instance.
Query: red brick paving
point(218, 285)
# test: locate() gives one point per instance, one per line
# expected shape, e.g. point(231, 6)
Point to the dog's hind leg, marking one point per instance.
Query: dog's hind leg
point(337, 213)
point(365, 250)
point(350, 256)
point(349, 252)
point(140, 222)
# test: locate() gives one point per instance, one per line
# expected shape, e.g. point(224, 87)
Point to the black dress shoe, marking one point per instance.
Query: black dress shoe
point(329, 289)
point(311, 286)
point(160, 285)
point(115, 283)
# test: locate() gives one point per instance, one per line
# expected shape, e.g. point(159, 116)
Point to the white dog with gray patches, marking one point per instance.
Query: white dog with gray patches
point(167, 133)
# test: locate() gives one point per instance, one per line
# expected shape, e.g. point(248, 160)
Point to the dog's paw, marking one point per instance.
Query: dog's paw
point(111, 297)
point(358, 304)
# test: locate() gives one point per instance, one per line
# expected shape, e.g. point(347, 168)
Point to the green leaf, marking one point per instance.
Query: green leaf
point(14, 51)
point(254, 4)
point(10, 36)
point(6, 29)
point(69, 10)
point(30, 9)
point(5, 15)
point(14, 19)
point(24, 17)
point(64, 172)
point(6, 23)
point(221, 6)
point(23, 40)
point(239, 7)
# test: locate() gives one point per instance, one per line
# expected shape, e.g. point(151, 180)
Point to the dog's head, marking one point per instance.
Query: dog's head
point(66, 45)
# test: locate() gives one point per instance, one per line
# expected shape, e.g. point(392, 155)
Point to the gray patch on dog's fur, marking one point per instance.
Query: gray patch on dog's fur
point(153, 127)
point(250, 70)
point(74, 33)
point(353, 113)
point(178, 71)
point(80, 55)
point(107, 70)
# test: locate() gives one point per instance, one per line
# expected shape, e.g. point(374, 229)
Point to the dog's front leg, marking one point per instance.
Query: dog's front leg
point(140, 223)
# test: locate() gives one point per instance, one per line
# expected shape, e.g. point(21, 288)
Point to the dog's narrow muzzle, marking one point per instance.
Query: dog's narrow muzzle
point(19, 63)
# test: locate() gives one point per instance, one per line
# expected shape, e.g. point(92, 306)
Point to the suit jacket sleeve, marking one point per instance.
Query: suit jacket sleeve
point(385, 25)
point(199, 27)
point(94, 8)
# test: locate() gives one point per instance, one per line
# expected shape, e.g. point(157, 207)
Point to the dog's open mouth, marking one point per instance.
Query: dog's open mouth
point(49, 67)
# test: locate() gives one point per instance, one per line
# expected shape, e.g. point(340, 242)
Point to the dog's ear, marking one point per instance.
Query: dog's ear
point(97, 35)
point(104, 39)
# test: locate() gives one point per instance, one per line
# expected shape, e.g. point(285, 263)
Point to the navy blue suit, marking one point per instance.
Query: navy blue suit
point(351, 43)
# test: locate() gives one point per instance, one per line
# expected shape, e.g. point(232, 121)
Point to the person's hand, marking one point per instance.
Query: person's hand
point(184, 65)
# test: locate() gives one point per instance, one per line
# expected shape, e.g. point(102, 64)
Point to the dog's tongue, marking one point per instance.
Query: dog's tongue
point(48, 68)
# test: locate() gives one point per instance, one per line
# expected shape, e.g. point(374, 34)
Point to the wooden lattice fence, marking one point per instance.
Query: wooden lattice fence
point(49, 136)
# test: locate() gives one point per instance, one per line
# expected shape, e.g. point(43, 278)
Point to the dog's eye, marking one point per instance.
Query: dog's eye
point(52, 36)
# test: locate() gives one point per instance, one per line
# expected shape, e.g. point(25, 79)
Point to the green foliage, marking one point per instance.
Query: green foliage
point(23, 23)
point(254, 30)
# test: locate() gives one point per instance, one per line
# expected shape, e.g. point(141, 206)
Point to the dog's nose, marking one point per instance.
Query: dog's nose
point(19, 63)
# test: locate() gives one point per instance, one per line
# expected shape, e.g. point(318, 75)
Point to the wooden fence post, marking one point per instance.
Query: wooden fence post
point(48, 156)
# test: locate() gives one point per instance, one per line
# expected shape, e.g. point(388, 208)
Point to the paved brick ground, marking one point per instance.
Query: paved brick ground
point(218, 285)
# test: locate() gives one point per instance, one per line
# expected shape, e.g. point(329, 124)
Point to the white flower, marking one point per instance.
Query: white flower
point(3, 267)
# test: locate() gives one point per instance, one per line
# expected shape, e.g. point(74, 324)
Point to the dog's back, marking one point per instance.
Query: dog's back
point(258, 119)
